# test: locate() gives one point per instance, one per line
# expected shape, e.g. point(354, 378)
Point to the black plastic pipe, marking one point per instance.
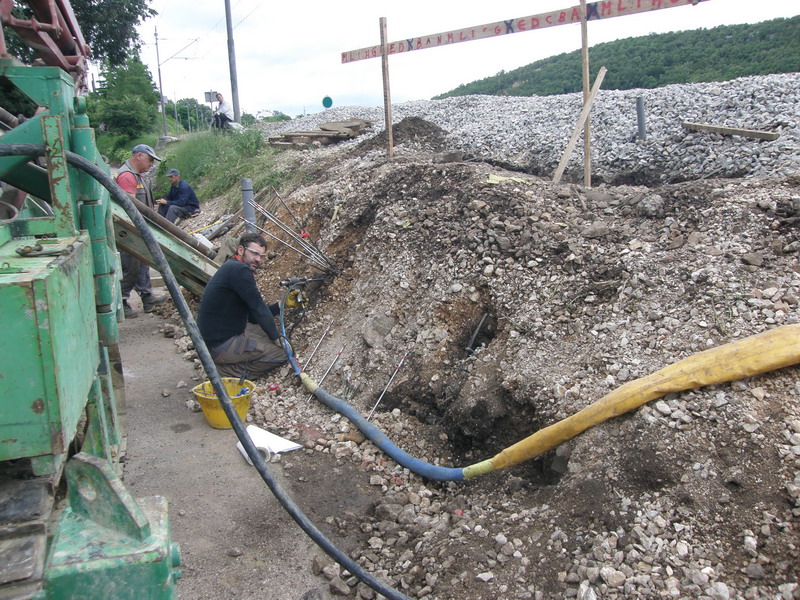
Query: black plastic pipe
point(122, 198)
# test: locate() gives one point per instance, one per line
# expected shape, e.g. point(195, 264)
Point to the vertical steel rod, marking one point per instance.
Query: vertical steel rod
point(397, 368)
point(328, 370)
point(314, 351)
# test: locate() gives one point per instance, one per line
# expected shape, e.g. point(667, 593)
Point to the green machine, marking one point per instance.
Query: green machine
point(61, 388)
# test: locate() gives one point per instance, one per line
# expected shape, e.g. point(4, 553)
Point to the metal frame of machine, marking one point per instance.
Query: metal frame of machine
point(61, 388)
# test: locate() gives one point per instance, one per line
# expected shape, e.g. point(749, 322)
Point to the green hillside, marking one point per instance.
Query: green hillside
point(650, 61)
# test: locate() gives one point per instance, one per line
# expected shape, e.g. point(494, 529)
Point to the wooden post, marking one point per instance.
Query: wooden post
point(581, 120)
point(587, 138)
point(722, 130)
point(387, 96)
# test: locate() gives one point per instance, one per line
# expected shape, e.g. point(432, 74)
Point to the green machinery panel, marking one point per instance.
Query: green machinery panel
point(107, 544)
point(49, 353)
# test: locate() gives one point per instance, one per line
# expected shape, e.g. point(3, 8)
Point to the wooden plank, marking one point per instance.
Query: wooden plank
point(579, 125)
point(595, 11)
point(356, 126)
point(315, 133)
point(750, 133)
point(288, 145)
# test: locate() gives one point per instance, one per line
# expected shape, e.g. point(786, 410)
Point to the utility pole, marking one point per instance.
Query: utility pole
point(161, 89)
point(232, 62)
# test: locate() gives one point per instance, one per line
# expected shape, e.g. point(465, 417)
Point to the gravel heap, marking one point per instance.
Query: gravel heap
point(531, 133)
point(566, 293)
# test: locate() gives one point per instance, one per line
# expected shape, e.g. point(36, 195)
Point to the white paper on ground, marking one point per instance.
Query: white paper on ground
point(268, 443)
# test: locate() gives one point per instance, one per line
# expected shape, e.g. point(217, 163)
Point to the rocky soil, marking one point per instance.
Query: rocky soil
point(516, 302)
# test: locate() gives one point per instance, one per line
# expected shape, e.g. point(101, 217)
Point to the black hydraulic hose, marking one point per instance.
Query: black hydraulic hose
point(122, 198)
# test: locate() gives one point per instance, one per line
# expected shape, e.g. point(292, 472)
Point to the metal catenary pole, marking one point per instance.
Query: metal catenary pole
point(161, 90)
point(232, 62)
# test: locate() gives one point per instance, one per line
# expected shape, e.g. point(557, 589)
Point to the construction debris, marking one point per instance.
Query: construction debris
point(328, 133)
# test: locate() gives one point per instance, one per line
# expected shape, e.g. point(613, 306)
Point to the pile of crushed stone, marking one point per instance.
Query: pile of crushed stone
point(516, 302)
point(530, 133)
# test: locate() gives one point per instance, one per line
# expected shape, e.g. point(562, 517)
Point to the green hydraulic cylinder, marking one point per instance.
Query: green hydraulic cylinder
point(95, 217)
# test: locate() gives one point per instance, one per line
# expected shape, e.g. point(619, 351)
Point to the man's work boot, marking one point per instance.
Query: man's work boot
point(130, 313)
point(150, 301)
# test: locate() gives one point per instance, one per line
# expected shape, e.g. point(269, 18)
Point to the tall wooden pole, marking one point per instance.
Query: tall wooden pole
point(387, 96)
point(587, 139)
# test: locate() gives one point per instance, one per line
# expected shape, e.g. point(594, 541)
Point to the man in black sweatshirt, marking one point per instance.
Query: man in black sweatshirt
point(235, 322)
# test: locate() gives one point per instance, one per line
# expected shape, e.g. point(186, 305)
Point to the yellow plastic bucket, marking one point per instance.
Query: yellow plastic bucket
point(212, 409)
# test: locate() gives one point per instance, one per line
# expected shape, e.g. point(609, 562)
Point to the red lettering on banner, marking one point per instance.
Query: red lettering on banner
point(597, 9)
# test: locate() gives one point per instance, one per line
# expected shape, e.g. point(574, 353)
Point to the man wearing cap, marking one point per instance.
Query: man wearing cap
point(180, 201)
point(132, 178)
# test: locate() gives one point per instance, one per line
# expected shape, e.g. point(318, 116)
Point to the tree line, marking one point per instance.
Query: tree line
point(717, 54)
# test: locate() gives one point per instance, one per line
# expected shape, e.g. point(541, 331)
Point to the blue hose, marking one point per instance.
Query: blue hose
point(375, 435)
point(287, 346)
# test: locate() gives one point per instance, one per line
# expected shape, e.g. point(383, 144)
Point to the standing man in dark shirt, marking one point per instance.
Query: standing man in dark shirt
point(180, 200)
point(235, 322)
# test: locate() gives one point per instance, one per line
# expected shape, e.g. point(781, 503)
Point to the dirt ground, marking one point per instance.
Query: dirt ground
point(516, 302)
point(236, 541)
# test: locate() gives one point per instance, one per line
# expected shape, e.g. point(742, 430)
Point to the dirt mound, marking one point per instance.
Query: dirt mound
point(412, 132)
point(517, 302)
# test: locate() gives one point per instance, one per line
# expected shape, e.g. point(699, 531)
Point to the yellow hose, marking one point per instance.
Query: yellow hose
point(750, 356)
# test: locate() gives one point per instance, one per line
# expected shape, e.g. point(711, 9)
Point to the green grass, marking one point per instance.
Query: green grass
point(117, 148)
point(214, 163)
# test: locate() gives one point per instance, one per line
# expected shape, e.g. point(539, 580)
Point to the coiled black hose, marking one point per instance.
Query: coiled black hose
point(122, 198)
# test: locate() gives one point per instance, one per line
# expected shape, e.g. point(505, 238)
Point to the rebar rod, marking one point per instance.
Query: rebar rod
point(314, 351)
point(328, 370)
point(396, 369)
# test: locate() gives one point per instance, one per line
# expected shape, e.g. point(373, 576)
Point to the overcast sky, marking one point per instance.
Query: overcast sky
point(288, 54)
